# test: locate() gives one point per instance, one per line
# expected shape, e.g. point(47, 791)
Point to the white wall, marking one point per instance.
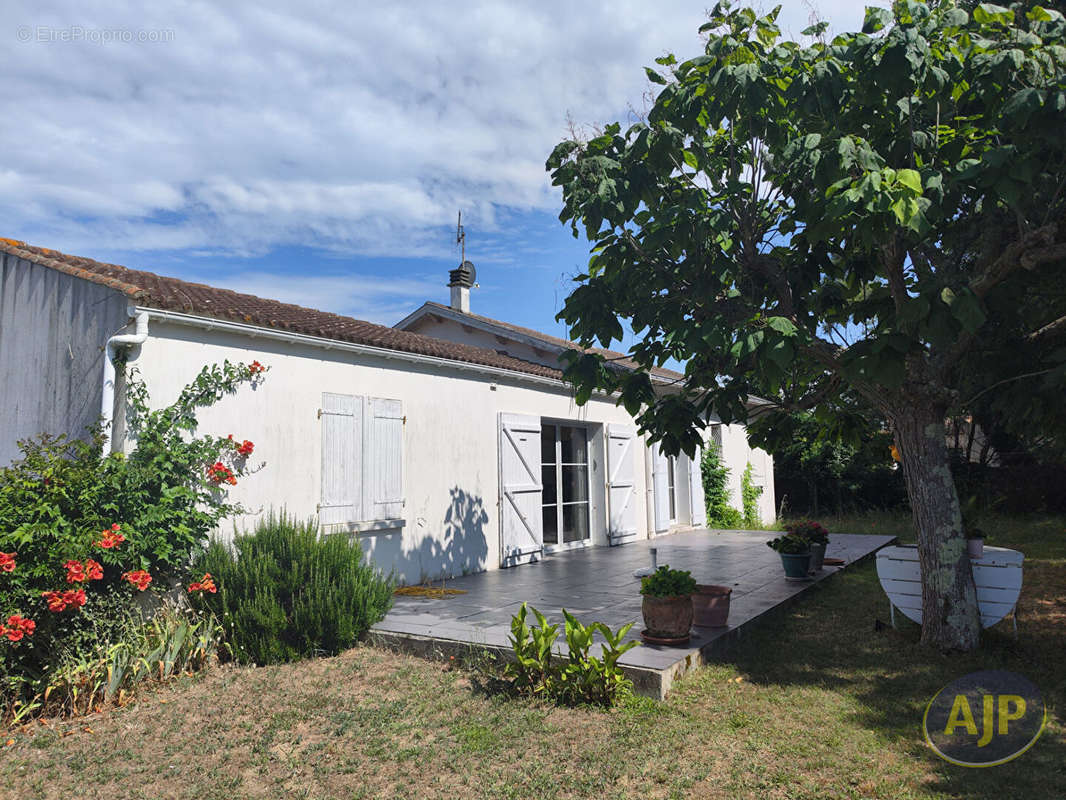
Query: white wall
point(736, 453)
point(451, 440)
point(53, 328)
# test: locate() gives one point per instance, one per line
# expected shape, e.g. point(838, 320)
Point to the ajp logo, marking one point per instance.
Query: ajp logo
point(984, 719)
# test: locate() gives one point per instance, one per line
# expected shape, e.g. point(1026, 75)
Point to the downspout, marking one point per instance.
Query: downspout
point(649, 493)
point(107, 401)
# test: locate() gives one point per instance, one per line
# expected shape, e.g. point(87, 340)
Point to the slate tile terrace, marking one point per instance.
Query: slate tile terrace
point(597, 584)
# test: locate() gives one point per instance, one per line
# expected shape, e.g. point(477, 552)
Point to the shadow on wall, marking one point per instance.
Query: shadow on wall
point(459, 547)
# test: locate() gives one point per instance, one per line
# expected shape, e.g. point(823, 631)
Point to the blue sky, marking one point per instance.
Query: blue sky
point(318, 154)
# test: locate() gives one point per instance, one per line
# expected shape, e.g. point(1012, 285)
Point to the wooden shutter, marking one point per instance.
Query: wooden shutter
point(342, 478)
point(621, 483)
point(384, 464)
point(661, 483)
point(695, 477)
point(521, 491)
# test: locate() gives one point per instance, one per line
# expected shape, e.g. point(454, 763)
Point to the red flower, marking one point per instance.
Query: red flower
point(138, 578)
point(111, 538)
point(75, 572)
point(55, 601)
point(94, 570)
point(17, 627)
point(205, 584)
point(245, 448)
point(219, 472)
point(74, 598)
point(7, 562)
point(255, 368)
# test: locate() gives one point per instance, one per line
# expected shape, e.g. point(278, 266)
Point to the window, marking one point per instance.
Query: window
point(565, 476)
point(362, 461)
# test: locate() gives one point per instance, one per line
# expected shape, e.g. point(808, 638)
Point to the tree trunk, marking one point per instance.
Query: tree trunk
point(950, 618)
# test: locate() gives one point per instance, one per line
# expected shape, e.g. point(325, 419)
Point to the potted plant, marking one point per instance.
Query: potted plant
point(817, 535)
point(795, 552)
point(710, 606)
point(667, 605)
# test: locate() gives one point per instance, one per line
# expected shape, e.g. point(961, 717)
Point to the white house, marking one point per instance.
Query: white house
point(449, 444)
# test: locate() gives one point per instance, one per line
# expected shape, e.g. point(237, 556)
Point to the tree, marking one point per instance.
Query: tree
point(808, 222)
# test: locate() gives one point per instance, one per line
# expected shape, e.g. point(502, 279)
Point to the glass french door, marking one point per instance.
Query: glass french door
point(565, 475)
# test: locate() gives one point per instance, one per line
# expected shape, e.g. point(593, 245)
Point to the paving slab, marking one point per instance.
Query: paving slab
point(597, 584)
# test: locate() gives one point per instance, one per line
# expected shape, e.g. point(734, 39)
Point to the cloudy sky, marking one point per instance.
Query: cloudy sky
point(318, 152)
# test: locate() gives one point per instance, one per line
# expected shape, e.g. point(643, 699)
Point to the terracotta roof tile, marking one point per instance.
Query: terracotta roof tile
point(172, 294)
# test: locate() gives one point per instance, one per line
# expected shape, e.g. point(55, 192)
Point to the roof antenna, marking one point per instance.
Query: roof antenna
point(460, 237)
point(462, 279)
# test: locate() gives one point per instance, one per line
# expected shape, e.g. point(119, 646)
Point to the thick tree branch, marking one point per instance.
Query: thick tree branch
point(1033, 249)
point(1052, 327)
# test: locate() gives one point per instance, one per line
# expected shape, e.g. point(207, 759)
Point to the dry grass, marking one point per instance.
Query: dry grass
point(814, 704)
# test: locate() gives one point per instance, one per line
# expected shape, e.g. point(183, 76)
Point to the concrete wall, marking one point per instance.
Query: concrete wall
point(735, 449)
point(453, 331)
point(451, 467)
point(736, 452)
point(53, 329)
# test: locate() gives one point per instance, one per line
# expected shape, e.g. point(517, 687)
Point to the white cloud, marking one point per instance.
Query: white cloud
point(360, 128)
point(380, 300)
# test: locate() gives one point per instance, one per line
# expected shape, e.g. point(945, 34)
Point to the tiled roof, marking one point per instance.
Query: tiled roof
point(172, 294)
point(554, 341)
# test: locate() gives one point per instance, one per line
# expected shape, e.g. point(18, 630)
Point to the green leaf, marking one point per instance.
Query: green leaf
point(987, 14)
point(911, 179)
point(654, 76)
point(876, 19)
point(782, 325)
point(965, 307)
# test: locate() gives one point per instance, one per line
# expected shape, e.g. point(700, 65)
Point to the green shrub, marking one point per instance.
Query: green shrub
point(286, 593)
point(666, 582)
point(98, 531)
point(790, 544)
point(581, 678)
point(715, 476)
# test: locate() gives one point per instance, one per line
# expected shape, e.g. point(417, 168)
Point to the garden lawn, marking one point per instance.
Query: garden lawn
point(814, 703)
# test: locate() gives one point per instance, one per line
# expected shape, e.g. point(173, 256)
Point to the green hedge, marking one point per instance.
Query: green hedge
point(286, 593)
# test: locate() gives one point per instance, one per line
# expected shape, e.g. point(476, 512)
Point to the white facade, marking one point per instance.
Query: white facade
point(439, 467)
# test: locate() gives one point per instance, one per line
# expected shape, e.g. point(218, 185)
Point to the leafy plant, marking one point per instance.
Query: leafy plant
point(284, 592)
point(532, 672)
point(580, 679)
point(666, 582)
point(790, 543)
point(82, 535)
point(829, 224)
point(715, 476)
point(813, 532)
point(750, 494)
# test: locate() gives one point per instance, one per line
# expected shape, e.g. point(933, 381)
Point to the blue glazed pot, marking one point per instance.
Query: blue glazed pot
point(796, 564)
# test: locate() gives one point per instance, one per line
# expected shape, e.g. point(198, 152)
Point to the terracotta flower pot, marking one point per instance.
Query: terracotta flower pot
point(710, 606)
point(667, 617)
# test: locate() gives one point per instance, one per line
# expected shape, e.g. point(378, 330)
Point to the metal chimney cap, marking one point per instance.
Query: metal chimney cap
point(464, 275)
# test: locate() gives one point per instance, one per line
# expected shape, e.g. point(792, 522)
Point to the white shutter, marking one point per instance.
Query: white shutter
point(621, 483)
point(384, 464)
point(695, 477)
point(661, 484)
point(521, 492)
point(342, 479)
